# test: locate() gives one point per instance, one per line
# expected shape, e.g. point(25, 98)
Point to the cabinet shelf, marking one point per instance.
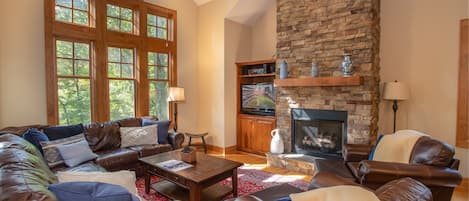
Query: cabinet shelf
point(319, 81)
point(259, 75)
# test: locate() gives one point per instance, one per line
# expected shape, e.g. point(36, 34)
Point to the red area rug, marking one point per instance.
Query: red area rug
point(249, 181)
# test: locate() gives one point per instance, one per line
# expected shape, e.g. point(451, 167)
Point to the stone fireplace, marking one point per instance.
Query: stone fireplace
point(320, 133)
point(322, 31)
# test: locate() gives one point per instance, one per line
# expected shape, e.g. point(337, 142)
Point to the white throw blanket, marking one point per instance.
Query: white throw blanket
point(397, 147)
point(336, 193)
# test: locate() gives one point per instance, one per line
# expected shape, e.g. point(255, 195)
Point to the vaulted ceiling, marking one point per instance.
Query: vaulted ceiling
point(201, 2)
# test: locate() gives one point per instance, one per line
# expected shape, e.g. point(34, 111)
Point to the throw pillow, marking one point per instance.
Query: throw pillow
point(372, 152)
point(122, 178)
point(91, 191)
point(342, 192)
point(34, 136)
point(132, 136)
point(52, 154)
point(76, 153)
point(59, 132)
point(163, 127)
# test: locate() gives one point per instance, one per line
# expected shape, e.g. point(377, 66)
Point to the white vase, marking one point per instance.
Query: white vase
point(276, 145)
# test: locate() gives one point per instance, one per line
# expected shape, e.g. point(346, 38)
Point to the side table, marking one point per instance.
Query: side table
point(198, 135)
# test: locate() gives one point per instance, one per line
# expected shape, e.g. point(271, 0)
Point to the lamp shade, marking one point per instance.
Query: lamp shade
point(176, 94)
point(395, 91)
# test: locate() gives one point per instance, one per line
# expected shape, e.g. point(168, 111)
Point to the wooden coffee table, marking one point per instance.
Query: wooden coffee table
point(195, 183)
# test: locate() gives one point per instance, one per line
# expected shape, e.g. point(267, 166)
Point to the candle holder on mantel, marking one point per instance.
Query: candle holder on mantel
point(346, 66)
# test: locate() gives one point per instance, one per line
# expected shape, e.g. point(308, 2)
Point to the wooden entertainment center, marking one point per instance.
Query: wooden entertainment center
point(253, 128)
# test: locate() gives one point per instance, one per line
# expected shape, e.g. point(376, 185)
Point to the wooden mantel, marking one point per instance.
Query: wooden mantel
point(319, 81)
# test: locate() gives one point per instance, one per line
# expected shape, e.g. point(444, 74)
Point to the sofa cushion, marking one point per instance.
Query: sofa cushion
point(133, 136)
point(11, 141)
point(148, 150)
point(34, 136)
point(163, 127)
point(20, 130)
point(102, 136)
point(91, 191)
point(90, 166)
point(129, 122)
point(75, 153)
point(52, 154)
point(428, 151)
point(354, 168)
point(59, 132)
point(342, 192)
point(117, 159)
point(122, 178)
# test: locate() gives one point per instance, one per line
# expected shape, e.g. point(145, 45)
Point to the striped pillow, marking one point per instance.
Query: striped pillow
point(52, 154)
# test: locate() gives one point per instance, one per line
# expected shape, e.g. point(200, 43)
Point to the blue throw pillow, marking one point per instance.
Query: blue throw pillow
point(76, 153)
point(59, 132)
point(284, 199)
point(163, 127)
point(34, 136)
point(91, 191)
point(372, 153)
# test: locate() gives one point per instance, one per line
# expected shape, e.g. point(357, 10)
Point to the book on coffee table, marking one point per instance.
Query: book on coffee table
point(174, 165)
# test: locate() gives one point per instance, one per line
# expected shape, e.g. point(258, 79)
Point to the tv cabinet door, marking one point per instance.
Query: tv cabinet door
point(261, 135)
point(246, 127)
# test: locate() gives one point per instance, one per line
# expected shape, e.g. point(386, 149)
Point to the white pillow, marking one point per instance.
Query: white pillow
point(336, 193)
point(132, 136)
point(122, 178)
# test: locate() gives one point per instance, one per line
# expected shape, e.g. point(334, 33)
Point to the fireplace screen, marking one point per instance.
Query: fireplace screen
point(319, 132)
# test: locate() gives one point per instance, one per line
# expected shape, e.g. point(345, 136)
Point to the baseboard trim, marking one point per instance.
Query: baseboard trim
point(220, 150)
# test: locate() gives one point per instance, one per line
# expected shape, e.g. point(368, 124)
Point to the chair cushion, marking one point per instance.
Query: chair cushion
point(163, 127)
point(103, 136)
point(91, 191)
point(388, 151)
point(148, 150)
point(117, 159)
point(59, 132)
point(336, 167)
point(335, 193)
point(76, 153)
point(133, 136)
point(403, 189)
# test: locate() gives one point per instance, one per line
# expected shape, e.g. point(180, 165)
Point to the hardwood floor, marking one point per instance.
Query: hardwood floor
point(259, 162)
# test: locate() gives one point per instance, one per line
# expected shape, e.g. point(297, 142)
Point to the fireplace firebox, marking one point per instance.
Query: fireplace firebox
point(320, 133)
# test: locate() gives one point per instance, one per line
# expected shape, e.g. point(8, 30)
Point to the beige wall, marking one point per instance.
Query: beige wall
point(211, 73)
point(419, 46)
point(264, 34)
point(22, 68)
point(187, 15)
point(237, 48)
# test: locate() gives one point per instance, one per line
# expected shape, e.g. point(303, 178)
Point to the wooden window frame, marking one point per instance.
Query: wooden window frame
point(462, 132)
point(89, 13)
point(99, 39)
point(135, 18)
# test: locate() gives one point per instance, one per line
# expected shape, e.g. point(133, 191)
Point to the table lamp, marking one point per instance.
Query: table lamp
point(175, 95)
point(395, 91)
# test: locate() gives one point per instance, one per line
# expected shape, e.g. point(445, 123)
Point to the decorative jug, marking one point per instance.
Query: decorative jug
point(314, 69)
point(283, 69)
point(276, 145)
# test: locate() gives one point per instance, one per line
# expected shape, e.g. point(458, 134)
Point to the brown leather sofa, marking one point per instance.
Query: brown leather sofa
point(432, 162)
point(405, 189)
point(25, 176)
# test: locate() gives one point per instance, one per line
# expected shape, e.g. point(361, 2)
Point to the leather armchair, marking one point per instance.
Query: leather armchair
point(432, 163)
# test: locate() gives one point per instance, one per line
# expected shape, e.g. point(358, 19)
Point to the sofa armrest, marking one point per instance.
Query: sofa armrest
point(356, 152)
point(376, 172)
point(175, 139)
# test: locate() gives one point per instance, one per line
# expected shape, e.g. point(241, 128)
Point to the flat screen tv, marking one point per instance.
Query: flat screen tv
point(258, 99)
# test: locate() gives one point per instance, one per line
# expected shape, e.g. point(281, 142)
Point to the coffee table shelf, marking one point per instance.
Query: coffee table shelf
point(175, 192)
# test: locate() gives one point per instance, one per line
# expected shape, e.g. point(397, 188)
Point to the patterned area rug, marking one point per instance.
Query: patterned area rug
point(249, 180)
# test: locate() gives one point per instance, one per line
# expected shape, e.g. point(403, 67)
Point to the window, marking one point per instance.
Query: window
point(74, 89)
point(158, 79)
point(72, 11)
point(157, 27)
point(119, 19)
point(121, 82)
point(96, 71)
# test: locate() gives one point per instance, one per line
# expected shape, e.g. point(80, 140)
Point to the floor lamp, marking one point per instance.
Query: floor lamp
point(175, 95)
point(395, 91)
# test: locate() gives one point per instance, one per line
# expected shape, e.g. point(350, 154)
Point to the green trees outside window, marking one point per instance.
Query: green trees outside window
point(72, 11)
